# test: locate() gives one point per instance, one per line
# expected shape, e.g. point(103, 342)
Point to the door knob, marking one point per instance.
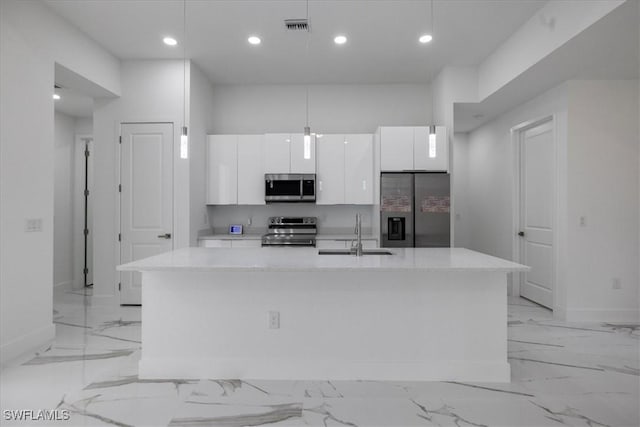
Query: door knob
point(521, 233)
point(164, 236)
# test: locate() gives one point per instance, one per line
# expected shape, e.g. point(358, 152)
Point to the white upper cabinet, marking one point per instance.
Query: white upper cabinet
point(277, 147)
point(284, 153)
point(298, 163)
point(358, 178)
point(428, 156)
point(222, 170)
point(250, 170)
point(345, 169)
point(396, 148)
point(408, 148)
point(330, 180)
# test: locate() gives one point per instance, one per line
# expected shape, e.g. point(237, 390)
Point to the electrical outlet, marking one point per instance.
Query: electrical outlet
point(583, 221)
point(33, 225)
point(249, 221)
point(274, 320)
point(616, 283)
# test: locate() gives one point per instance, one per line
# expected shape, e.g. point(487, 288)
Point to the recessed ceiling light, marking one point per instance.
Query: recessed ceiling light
point(340, 40)
point(170, 41)
point(254, 40)
point(56, 96)
point(425, 38)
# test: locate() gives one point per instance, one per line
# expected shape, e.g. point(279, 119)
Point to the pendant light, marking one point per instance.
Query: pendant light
point(307, 129)
point(432, 128)
point(184, 138)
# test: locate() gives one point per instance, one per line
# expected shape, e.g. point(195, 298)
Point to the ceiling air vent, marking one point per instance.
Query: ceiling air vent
point(296, 24)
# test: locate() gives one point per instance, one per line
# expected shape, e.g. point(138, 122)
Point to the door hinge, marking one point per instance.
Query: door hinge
point(86, 153)
point(119, 237)
point(120, 139)
point(119, 188)
point(85, 271)
point(86, 232)
point(119, 286)
point(86, 193)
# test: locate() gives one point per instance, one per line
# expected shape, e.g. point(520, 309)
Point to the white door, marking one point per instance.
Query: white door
point(146, 198)
point(330, 179)
point(250, 170)
point(358, 155)
point(537, 192)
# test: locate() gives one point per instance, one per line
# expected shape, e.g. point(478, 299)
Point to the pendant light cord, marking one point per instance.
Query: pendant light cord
point(307, 54)
point(184, 64)
point(433, 112)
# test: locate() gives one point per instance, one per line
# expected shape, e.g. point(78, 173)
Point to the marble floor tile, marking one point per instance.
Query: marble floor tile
point(572, 374)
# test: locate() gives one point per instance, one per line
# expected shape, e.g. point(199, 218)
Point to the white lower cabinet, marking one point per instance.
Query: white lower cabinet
point(345, 244)
point(246, 243)
point(215, 243)
point(230, 243)
point(331, 244)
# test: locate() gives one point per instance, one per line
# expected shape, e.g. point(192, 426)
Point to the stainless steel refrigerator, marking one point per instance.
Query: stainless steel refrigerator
point(415, 210)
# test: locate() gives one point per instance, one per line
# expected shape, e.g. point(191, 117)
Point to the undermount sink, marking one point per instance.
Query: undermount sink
point(353, 252)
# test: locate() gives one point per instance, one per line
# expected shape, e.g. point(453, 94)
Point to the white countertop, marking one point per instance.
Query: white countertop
point(259, 237)
point(307, 259)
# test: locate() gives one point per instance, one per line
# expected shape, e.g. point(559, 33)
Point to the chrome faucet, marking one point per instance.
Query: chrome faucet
point(358, 247)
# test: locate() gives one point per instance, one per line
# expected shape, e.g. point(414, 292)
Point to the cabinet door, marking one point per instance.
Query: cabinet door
point(330, 244)
point(298, 163)
point(396, 148)
point(222, 170)
point(369, 244)
point(215, 243)
point(246, 243)
point(330, 182)
point(277, 153)
point(250, 170)
point(358, 160)
point(424, 157)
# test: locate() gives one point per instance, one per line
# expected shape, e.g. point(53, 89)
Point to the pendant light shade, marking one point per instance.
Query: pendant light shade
point(307, 142)
point(432, 142)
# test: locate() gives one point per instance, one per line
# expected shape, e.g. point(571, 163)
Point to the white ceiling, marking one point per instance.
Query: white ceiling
point(382, 46)
point(609, 49)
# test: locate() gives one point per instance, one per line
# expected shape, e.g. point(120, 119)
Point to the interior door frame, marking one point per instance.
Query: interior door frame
point(118, 179)
point(517, 133)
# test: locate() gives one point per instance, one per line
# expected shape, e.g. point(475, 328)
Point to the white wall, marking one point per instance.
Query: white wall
point(63, 199)
point(460, 190)
point(552, 26)
point(200, 117)
point(84, 125)
point(31, 40)
point(491, 178)
point(602, 186)
point(332, 108)
point(331, 219)
point(152, 91)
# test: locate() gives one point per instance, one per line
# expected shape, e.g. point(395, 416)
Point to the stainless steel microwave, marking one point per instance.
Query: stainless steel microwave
point(290, 187)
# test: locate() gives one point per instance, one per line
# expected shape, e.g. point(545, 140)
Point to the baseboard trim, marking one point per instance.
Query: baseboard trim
point(26, 344)
point(350, 370)
point(68, 284)
point(601, 315)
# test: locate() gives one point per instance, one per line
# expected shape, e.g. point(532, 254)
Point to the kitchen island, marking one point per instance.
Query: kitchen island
point(290, 313)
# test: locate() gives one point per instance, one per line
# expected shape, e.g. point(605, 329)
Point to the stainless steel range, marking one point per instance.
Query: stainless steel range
point(291, 231)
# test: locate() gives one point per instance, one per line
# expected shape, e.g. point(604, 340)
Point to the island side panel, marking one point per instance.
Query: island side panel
point(345, 325)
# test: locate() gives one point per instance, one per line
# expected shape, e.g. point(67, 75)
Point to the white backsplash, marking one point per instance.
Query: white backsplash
point(334, 219)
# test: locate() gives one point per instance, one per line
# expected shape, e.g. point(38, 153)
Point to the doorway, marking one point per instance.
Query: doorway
point(536, 209)
point(146, 199)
